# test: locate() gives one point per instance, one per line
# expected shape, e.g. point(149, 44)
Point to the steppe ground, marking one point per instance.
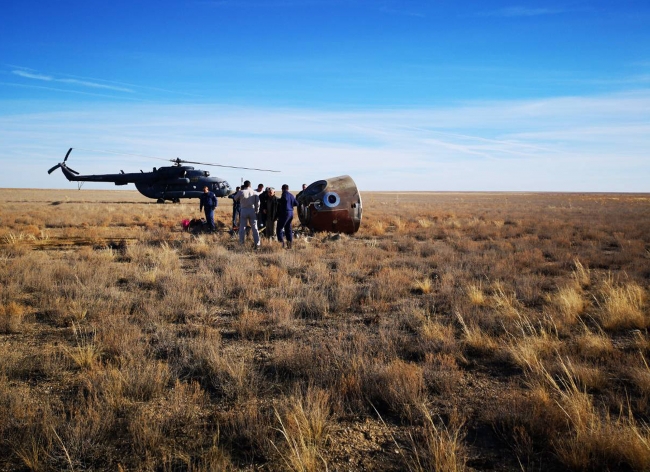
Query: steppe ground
point(454, 331)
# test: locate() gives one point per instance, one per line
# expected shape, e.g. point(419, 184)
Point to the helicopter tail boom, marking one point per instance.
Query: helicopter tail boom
point(117, 179)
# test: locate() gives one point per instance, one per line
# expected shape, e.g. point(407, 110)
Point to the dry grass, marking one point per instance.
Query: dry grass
point(487, 330)
point(581, 275)
point(623, 306)
point(476, 295)
point(422, 286)
point(439, 447)
point(398, 387)
point(570, 303)
point(596, 438)
point(477, 339)
point(304, 426)
point(594, 346)
point(504, 301)
point(11, 317)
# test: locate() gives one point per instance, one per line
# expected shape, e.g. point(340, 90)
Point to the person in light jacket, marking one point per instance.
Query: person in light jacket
point(249, 202)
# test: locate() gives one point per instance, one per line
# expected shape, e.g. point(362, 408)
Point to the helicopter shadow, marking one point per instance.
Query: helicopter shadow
point(56, 203)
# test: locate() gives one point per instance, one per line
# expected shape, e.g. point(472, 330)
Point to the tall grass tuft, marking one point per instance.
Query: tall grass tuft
point(304, 425)
point(423, 286)
point(438, 447)
point(623, 306)
point(570, 303)
point(398, 387)
point(476, 295)
point(11, 317)
point(581, 275)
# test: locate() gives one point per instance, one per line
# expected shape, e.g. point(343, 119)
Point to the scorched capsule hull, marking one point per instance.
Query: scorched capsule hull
point(332, 205)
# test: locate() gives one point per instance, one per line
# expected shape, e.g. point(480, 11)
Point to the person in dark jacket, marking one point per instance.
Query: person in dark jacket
point(286, 203)
point(208, 202)
point(261, 216)
point(270, 212)
point(235, 209)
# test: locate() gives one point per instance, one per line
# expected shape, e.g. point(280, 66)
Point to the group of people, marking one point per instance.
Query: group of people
point(259, 209)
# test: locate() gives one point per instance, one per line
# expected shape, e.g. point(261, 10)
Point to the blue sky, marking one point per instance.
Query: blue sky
point(408, 95)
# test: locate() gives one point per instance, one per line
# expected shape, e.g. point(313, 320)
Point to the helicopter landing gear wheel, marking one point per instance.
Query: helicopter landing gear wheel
point(160, 200)
point(176, 200)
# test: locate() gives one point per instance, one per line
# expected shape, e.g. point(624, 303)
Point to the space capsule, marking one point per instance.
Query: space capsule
point(332, 205)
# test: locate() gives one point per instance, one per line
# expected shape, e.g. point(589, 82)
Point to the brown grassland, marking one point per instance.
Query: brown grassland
point(454, 331)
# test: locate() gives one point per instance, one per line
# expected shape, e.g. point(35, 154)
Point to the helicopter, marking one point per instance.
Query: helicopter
point(164, 183)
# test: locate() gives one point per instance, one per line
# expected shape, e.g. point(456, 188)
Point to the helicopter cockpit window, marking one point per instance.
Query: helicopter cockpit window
point(206, 173)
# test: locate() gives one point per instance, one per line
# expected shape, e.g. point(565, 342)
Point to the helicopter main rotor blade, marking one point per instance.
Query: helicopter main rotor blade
point(176, 161)
point(221, 165)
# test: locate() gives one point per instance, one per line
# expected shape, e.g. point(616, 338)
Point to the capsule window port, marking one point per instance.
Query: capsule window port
point(331, 199)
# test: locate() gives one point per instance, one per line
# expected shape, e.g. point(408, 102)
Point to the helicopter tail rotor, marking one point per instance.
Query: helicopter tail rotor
point(62, 164)
point(54, 168)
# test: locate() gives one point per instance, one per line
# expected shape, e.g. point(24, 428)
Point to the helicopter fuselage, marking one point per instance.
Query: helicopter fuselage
point(165, 183)
point(173, 187)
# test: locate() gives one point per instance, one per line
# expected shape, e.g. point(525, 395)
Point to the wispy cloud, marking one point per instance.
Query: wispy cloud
point(90, 82)
point(27, 74)
point(31, 75)
point(56, 89)
point(266, 4)
point(129, 85)
point(594, 143)
point(85, 83)
point(391, 7)
point(401, 11)
point(638, 79)
point(520, 11)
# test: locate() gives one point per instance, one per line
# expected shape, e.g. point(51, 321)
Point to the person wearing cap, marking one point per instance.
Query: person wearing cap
point(286, 203)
